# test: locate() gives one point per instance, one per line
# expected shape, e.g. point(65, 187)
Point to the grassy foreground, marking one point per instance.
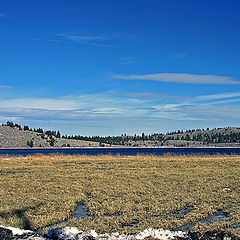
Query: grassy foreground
point(37, 191)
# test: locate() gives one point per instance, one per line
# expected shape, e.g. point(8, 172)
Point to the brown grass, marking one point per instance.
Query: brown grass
point(45, 188)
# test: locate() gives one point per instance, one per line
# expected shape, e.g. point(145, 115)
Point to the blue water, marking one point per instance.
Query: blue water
point(122, 151)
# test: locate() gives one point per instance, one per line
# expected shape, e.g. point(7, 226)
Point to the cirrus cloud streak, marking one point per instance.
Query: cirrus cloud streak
point(181, 78)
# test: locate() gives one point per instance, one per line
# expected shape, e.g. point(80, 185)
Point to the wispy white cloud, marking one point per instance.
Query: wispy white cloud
point(2, 86)
point(45, 40)
point(218, 96)
point(114, 113)
point(226, 101)
point(152, 95)
point(123, 36)
point(92, 40)
point(36, 39)
point(179, 55)
point(4, 15)
point(81, 38)
point(127, 60)
point(9, 118)
point(39, 103)
point(209, 112)
point(181, 78)
point(140, 104)
point(106, 41)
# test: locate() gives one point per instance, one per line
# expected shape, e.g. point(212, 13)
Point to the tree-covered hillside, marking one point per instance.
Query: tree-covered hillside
point(229, 136)
point(218, 137)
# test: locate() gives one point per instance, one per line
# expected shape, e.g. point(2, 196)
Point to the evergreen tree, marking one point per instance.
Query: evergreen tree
point(10, 124)
point(25, 128)
point(52, 141)
point(58, 134)
point(30, 143)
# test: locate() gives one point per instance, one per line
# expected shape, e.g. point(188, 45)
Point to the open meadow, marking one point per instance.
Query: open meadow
point(120, 193)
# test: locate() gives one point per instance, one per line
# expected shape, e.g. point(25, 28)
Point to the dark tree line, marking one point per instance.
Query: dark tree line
point(199, 135)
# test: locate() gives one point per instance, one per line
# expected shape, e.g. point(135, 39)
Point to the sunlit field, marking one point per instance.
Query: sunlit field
point(121, 193)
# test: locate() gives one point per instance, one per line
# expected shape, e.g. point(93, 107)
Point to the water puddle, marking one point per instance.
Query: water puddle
point(218, 216)
point(13, 172)
point(236, 226)
point(181, 212)
point(83, 163)
point(132, 224)
point(116, 214)
point(151, 216)
point(104, 169)
point(80, 211)
point(63, 163)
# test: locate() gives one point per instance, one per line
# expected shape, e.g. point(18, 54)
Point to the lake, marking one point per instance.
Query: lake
point(121, 151)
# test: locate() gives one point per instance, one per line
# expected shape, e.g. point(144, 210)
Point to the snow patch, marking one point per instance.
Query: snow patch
point(63, 233)
point(72, 233)
point(18, 231)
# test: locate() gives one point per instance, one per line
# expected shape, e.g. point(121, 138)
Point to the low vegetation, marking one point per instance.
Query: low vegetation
point(121, 193)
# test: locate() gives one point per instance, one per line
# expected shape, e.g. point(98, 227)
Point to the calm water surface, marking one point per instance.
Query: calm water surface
point(122, 151)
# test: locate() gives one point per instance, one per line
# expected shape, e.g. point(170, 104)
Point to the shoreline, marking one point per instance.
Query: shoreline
point(115, 147)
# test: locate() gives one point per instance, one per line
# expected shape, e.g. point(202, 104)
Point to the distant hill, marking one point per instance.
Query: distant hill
point(218, 137)
point(14, 136)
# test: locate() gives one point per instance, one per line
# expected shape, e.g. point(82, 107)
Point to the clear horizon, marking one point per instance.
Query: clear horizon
point(120, 67)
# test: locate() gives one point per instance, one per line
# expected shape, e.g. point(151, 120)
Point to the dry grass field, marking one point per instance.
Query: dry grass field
point(151, 191)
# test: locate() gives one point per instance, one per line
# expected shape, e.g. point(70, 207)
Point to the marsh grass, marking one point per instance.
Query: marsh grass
point(45, 189)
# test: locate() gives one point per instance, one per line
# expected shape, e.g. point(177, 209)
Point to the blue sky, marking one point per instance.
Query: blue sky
point(110, 67)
